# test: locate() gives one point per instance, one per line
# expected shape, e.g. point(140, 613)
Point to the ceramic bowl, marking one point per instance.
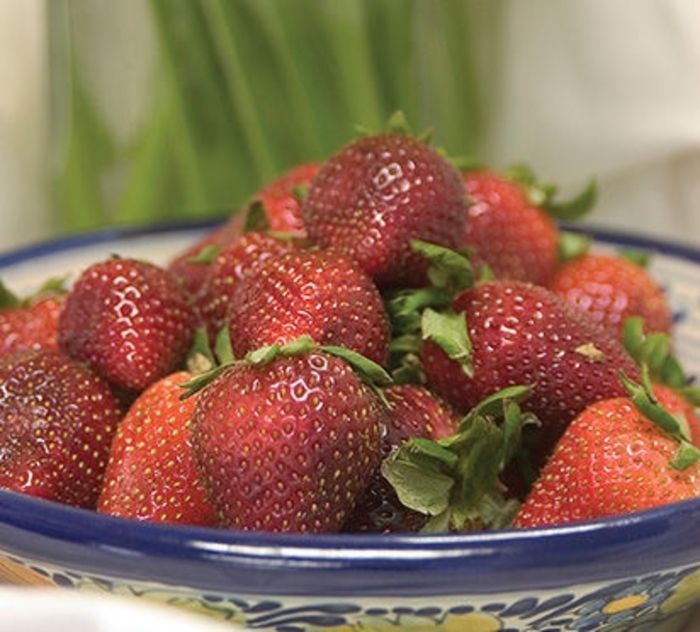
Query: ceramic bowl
point(637, 572)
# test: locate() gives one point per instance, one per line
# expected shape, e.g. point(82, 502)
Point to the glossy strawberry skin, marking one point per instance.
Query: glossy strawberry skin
point(377, 194)
point(226, 270)
point(129, 320)
point(611, 289)
point(31, 326)
point(319, 293)
point(516, 239)
point(611, 461)
point(281, 198)
point(414, 411)
point(288, 446)
point(151, 473)
point(523, 334)
point(57, 420)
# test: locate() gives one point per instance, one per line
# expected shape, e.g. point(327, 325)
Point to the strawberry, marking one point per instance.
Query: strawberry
point(129, 320)
point(226, 270)
point(191, 264)
point(617, 456)
point(379, 192)
point(518, 333)
point(515, 238)
point(281, 198)
point(57, 419)
point(413, 411)
point(287, 442)
point(151, 474)
point(320, 293)
point(32, 322)
point(611, 288)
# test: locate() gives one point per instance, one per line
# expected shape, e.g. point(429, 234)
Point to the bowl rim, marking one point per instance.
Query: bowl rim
point(82, 540)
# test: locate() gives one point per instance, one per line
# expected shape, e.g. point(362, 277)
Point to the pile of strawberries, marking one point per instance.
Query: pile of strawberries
point(389, 340)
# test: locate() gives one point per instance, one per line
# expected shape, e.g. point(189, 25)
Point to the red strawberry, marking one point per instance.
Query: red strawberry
point(151, 474)
point(57, 419)
point(288, 444)
point(377, 194)
point(226, 270)
point(413, 411)
point(129, 320)
point(520, 333)
point(611, 288)
point(515, 238)
point(31, 323)
point(190, 266)
point(281, 198)
point(319, 293)
point(612, 459)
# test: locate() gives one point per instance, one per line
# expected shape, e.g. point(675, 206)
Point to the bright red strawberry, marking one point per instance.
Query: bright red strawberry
point(57, 419)
point(524, 334)
point(377, 194)
point(151, 473)
point(611, 288)
point(289, 444)
point(320, 293)
point(30, 323)
point(190, 265)
point(413, 411)
point(281, 198)
point(515, 238)
point(130, 320)
point(612, 460)
point(226, 270)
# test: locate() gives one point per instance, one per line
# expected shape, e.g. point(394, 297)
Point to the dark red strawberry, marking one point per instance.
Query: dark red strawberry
point(227, 268)
point(524, 334)
point(413, 411)
point(515, 238)
point(377, 194)
point(32, 322)
point(611, 288)
point(288, 444)
point(151, 474)
point(57, 420)
point(280, 199)
point(319, 293)
point(130, 320)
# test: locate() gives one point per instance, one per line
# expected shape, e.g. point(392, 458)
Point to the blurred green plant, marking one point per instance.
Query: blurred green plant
point(244, 89)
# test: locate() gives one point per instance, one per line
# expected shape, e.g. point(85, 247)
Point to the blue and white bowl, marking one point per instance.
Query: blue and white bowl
point(639, 572)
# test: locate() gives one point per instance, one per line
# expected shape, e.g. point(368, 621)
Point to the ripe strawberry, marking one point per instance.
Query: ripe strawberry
point(320, 293)
point(515, 238)
point(226, 270)
point(280, 199)
point(30, 323)
point(129, 320)
point(288, 444)
point(57, 419)
point(190, 265)
point(151, 474)
point(377, 194)
point(413, 411)
point(612, 459)
point(611, 288)
point(520, 333)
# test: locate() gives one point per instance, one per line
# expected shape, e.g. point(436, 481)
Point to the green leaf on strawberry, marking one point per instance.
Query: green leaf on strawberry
point(455, 480)
point(448, 330)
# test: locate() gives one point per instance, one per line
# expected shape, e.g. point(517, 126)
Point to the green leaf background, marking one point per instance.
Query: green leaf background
point(244, 89)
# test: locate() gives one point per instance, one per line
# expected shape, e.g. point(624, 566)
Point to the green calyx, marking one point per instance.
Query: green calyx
point(456, 480)
point(676, 426)
point(222, 358)
point(10, 300)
